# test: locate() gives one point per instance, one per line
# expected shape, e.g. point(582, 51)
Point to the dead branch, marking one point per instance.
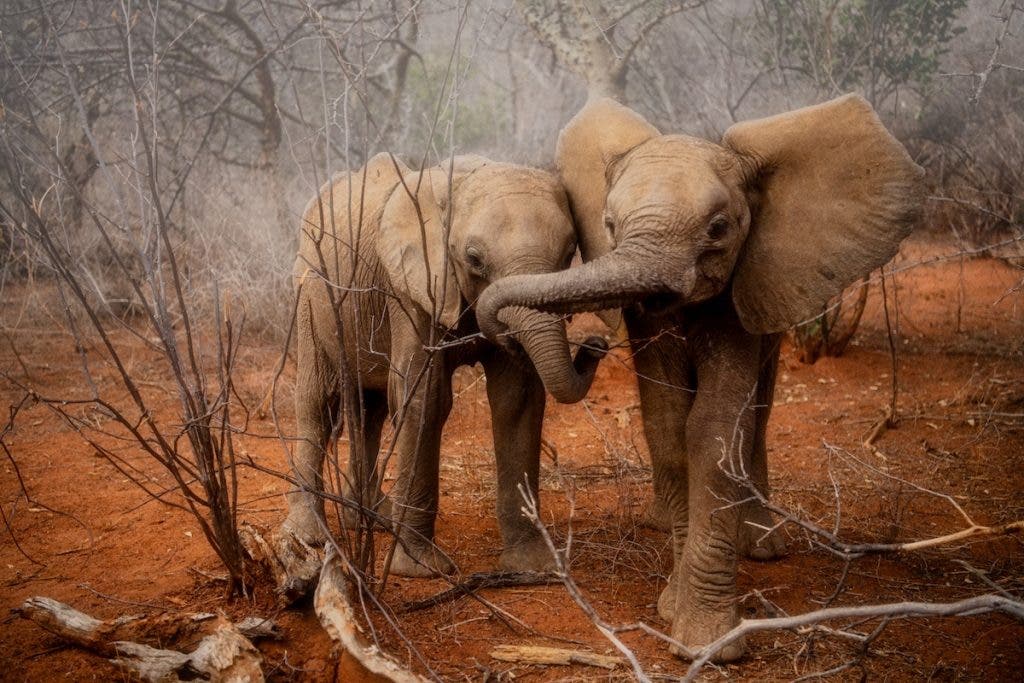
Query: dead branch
point(333, 604)
point(993, 62)
point(67, 623)
point(883, 423)
point(846, 549)
point(812, 621)
point(974, 531)
point(477, 581)
point(549, 448)
point(222, 657)
point(892, 419)
point(609, 631)
point(831, 540)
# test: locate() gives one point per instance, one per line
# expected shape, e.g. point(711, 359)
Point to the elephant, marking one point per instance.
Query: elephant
point(385, 284)
point(712, 250)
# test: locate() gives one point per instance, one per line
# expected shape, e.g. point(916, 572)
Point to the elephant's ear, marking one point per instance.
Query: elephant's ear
point(832, 196)
point(413, 249)
point(348, 201)
point(590, 143)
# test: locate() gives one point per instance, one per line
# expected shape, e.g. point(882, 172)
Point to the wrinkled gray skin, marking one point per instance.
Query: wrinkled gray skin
point(712, 250)
point(402, 291)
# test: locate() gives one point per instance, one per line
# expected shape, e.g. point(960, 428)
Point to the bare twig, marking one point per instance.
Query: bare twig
point(899, 610)
point(478, 581)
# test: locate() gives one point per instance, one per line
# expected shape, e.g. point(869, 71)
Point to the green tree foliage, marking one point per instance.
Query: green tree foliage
point(875, 46)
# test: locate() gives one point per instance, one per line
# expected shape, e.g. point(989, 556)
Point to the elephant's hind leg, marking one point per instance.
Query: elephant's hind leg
point(420, 398)
point(317, 406)
point(363, 480)
point(758, 537)
point(665, 386)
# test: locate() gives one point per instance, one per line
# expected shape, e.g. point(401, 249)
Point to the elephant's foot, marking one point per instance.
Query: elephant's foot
point(529, 556)
point(657, 516)
point(421, 562)
point(698, 625)
point(306, 523)
point(381, 515)
point(754, 541)
point(667, 600)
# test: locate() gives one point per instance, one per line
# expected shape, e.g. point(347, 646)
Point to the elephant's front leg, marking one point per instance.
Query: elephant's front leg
point(719, 436)
point(516, 396)
point(363, 481)
point(419, 393)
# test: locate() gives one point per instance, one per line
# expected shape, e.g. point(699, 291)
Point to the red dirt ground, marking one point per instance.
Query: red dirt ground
point(112, 551)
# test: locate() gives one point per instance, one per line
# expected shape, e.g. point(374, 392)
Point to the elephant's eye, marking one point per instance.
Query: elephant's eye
point(609, 225)
point(718, 227)
point(475, 260)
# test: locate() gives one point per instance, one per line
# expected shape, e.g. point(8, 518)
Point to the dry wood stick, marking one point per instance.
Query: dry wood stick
point(477, 581)
point(536, 654)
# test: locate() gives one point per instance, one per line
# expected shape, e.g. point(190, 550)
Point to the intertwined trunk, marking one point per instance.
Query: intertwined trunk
point(543, 337)
point(612, 281)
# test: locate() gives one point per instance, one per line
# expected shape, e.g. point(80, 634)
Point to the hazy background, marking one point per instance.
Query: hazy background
point(220, 120)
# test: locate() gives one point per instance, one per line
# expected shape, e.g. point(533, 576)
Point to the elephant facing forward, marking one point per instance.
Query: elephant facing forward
point(714, 249)
point(384, 283)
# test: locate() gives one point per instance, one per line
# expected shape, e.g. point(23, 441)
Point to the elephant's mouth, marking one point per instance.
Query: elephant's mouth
point(515, 350)
point(660, 304)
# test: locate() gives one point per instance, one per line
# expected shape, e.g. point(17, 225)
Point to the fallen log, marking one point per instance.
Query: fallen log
point(224, 655)
point(333, 604)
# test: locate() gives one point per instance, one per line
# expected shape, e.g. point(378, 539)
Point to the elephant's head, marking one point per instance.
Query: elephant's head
point(787, 211)
point(490, 221)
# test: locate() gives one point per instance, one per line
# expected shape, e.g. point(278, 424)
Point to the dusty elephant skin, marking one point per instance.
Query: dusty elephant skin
point(714, 249)
point(369, 313)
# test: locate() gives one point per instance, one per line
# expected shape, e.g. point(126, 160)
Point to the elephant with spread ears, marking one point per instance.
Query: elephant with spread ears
point(390, 262)
point(712, 250)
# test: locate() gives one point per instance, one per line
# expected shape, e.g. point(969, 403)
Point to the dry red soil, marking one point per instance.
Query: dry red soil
point(111, 551)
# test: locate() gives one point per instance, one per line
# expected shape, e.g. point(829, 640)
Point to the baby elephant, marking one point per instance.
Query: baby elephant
point(385, 288)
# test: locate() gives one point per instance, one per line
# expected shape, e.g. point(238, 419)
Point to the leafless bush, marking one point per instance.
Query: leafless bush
point(107, 197)
point(969, 134)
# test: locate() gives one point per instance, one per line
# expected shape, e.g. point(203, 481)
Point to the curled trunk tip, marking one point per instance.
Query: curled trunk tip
point(543, 338)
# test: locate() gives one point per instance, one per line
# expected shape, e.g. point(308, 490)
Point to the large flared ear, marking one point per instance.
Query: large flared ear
point(413, 248)
point(599, 134)
point(832, 195)
point(349, 203)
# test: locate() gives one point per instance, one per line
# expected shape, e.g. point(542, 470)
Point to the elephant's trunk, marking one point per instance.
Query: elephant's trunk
point(614, 280)
point(543, 337)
